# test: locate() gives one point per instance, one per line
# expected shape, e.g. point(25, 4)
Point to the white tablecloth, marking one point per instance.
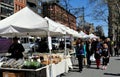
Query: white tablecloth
point(56, 69)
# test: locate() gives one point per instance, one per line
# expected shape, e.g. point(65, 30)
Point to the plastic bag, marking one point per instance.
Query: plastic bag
point(92, 57)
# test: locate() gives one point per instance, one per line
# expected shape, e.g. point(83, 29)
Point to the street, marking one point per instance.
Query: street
point(113, 70)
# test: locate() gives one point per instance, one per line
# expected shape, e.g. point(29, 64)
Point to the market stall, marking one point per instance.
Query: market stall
point(33, 24)
point(12, 66)
point(12, 72)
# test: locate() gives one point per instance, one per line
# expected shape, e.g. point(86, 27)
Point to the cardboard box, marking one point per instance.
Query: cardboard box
point(12, 74)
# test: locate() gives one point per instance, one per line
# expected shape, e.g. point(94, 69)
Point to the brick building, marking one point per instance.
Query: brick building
point(59, 14)
point(51, 10)
point(19, 4)
point(6, 8)
point(9, 7)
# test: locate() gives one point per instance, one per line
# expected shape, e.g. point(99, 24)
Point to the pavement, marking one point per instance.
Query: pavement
point(113, 70)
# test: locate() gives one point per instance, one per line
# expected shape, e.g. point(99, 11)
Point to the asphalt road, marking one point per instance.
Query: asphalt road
point(113, 70)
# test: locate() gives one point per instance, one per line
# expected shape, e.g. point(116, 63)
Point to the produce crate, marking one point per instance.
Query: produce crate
point(12, 74)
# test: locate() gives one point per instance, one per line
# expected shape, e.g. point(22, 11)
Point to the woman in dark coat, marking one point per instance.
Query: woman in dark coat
point(79, 54)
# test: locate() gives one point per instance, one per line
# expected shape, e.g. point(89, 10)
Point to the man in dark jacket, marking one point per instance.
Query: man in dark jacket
point(16, 49)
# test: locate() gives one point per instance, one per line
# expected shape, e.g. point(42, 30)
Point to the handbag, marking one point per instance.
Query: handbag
point(92, 57)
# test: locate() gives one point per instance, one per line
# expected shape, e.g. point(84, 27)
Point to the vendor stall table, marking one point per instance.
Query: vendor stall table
point(51, 70)
point(41, 72)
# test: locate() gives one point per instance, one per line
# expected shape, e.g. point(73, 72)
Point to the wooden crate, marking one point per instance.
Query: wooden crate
point(12, 74)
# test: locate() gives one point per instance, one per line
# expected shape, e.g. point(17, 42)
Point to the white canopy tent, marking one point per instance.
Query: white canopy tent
point(26, 22)
point(27, 19)
point(72, 32)
point(54, 26)
point(92, 36)
point(61, 28)
point(83, 35)
point(19, 31)
point(30, 22)
point(11, 31)
point(24, 18)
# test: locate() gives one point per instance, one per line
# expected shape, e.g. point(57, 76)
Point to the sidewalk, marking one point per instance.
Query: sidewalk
point(113, 70)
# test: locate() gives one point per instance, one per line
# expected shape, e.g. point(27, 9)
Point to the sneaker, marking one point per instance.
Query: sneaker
point(105, 67)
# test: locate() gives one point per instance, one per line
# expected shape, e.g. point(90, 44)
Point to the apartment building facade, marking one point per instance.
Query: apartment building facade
point(19, 4)
point(59, 14)
point(6, 8)
point(51, 10)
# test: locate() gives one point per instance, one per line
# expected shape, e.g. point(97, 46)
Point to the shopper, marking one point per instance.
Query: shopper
point(85, 54)
point(98, 53)
point(79, 53)
point(62, 45)
point(89, 53)
point(116, 50)
point(108, 42)
point(105, 56)
point(43, 46)
point(16, 49)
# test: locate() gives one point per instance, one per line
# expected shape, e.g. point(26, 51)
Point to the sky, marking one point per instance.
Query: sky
point(88, 10)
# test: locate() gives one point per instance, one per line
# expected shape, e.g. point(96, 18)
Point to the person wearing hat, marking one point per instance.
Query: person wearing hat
point(16, 49)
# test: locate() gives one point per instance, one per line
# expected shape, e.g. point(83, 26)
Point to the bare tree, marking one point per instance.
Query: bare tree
point(114, 8)
point(99, 31)
point(100, 10)
point(66, 4)
point(50, 1)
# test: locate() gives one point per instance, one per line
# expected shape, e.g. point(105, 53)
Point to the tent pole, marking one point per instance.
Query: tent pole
point(50, 48)
point(65, 45)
